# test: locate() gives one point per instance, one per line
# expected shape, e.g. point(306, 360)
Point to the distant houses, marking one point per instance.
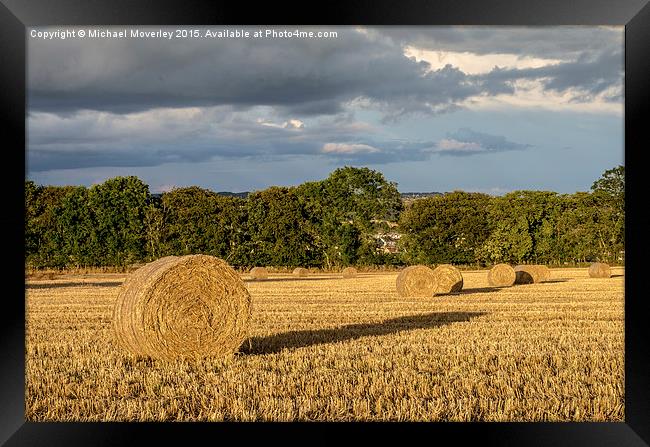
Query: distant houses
point(410, 197)
point(388, 242)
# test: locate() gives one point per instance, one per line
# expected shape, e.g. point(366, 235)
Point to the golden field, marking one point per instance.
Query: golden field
point(333, 349)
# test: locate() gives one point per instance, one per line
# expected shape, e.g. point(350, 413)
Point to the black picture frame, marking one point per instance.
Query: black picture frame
point(16, 15)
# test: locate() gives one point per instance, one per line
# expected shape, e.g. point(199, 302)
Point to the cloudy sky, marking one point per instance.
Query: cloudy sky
point(489, 109)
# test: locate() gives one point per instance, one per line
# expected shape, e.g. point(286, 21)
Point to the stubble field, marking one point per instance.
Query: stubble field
point(333, 349)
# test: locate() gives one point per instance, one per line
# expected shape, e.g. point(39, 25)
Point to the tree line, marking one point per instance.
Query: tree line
point(329, 223)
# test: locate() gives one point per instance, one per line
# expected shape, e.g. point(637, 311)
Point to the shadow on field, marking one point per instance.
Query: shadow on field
point(300, 339)
point(557, 280)
point(616, 276)
point(476, 290)
point(56, 285)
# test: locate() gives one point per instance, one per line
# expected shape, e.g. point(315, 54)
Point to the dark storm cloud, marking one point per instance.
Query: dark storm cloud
point(137, 103)
point(556, 42)
point(130, 75)
point(39, 161)
point(141, 156)
point(153, 138)
point(588, 76)
point(300, 76)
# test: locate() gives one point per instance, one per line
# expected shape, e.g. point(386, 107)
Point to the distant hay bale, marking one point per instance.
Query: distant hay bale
point(599, 270)
point(259, 273)
point(42, 276)
point(448, 279)
point(300, 272)
point(349, 272)
point(182, 307)
point(502, 275)
point(416, 280)
point(526, 274)
point(544, 272)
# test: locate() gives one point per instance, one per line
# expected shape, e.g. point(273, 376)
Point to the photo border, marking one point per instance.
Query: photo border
point(17, 15)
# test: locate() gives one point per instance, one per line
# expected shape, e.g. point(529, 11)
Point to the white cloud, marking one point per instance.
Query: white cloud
point(164, 188)
point(475, 64)
point(293, 124)
point(290, 124)
point(528, 93)
point(531, 94)
point(348, 148)
point(460, 146)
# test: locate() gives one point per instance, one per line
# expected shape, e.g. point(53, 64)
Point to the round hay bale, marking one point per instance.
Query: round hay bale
point(502, 275)
point(599, 270)
point(526, 274)
point(300, 272)
point(416, 280)
point(259, 273)
point(42, 276)
point(349, 272)
point(448, 279)
point(182, 307)
point(544, 272)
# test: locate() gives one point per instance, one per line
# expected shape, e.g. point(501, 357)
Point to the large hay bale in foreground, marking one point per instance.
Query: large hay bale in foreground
point(300, 272)
point(599, 270)
point(448, 279)
point(349, 272)
point(526, 274)
point(182, 307)
point(502, 275)
point(259, 273)
point(416, 280)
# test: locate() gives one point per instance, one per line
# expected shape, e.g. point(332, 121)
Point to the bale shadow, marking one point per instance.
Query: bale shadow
point(300, 339)
point(476, 290)
point(523, 277)
point(72, 284)
point(556, 280)
point(616, 276)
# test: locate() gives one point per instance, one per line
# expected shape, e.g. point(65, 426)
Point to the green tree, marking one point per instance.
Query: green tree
point(31, 213)
point(278, 227)
point(154, 227)
point(361, 196)
point(75, 230)
point(445, 229)
point(346, 210)
point(609, 191)
point(42, 231)
point(118, 210)
point(580, 228)
point(612, 185)
point(523, 227)
point(343, 241)
point(197, 220)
